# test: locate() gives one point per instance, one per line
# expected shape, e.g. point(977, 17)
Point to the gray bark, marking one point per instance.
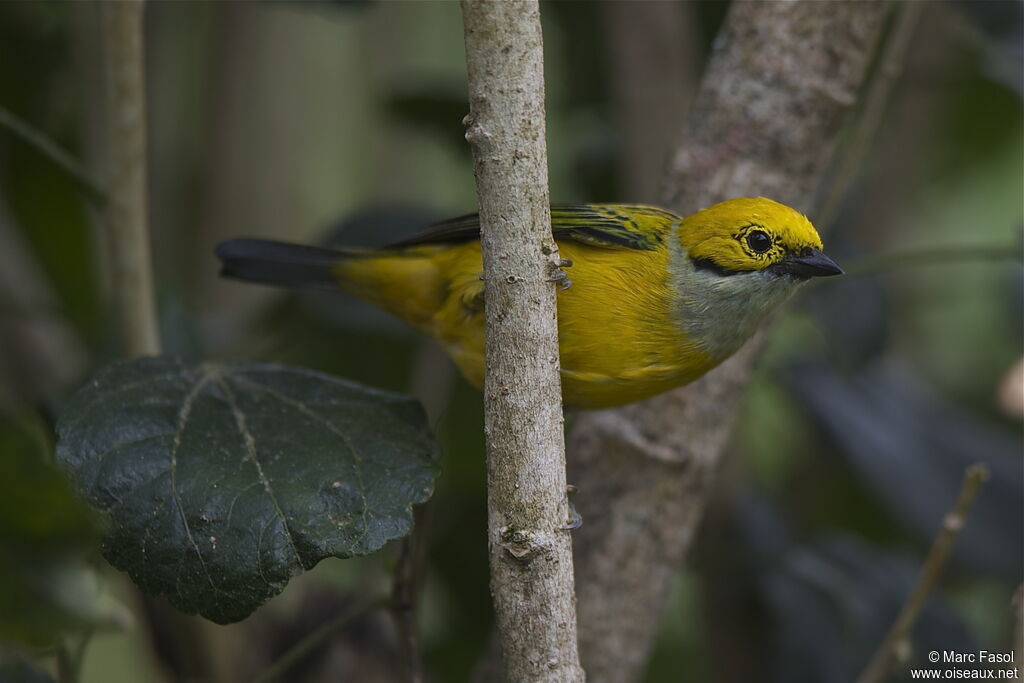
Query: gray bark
point(766, 120)
point(530, 552)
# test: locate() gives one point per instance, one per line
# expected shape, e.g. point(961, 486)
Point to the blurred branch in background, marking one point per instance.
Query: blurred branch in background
point(319, 638)
point(896, 645)
point(52, 151)
point(134, 298)
point(1011, 391)
point(644, 471)
point(406, 585)
point(39, 351)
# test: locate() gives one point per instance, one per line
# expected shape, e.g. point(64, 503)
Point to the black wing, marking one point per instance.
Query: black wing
point(601, 225)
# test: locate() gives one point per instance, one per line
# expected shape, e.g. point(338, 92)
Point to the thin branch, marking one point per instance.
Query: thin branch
point(70, 166)
point(66, 672)
point(897, 640)
point(404, 609)
point(319, 638)
point(530, 551)
point(126, 216)
point(78, 654)
point(405, 590)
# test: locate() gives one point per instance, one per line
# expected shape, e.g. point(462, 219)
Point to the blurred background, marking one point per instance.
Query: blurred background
point(341, 122)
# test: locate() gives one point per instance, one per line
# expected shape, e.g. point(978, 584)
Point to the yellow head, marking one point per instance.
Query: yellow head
point(735, 263)
point(755, 234)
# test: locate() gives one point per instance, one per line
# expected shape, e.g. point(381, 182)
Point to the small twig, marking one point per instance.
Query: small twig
point(934, 256)
point(897, 640)
point(405, 591)
point(78, 655)
point(38, 141)
point(403, 595)
point(319, 638)
point(66, 670)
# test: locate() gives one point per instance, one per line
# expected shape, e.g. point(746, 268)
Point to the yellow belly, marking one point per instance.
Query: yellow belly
point(619, 338)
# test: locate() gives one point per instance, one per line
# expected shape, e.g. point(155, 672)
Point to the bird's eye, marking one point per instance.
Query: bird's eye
point(759, 241)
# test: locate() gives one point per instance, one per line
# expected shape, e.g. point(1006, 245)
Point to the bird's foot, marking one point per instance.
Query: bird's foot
point(575, 518)
point(558, 275)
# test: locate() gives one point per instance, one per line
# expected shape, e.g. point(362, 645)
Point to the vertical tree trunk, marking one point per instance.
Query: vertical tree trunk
point(132, 281)
point(766, 121)
point(530, 551)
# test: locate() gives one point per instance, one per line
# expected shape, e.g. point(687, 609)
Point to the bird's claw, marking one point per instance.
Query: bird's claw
point(575, 518)
point(560, 276)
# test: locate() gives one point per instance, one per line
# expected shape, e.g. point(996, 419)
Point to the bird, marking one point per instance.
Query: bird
point(656, 300)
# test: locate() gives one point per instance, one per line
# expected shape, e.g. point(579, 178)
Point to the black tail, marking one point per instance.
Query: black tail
point(279, 263)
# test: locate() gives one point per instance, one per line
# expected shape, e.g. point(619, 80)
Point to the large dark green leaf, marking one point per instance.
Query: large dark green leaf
point(223, 480)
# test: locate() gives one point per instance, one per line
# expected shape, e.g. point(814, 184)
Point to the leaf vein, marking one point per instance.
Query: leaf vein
point(250, 449)
point(183, 415)
point(108, 392)
point(356, 456)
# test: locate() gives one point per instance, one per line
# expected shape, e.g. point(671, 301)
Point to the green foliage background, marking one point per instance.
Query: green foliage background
point(299, 121)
